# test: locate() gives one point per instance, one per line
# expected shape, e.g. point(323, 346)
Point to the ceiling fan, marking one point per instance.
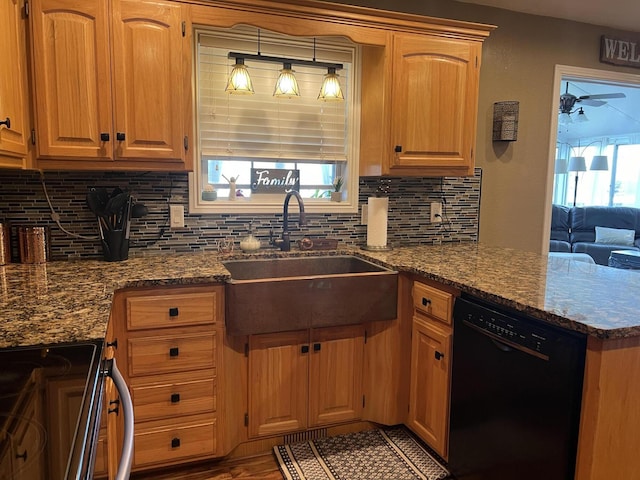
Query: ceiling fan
point(568, 100)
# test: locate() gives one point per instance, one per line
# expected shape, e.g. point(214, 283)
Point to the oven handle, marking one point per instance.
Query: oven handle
point(124, 468)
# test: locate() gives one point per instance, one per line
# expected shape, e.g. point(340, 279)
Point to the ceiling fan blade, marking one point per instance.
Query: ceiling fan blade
point(602, 95)
point(591, 103)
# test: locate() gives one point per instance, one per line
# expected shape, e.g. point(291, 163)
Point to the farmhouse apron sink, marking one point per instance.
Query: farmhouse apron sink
point(282, 294)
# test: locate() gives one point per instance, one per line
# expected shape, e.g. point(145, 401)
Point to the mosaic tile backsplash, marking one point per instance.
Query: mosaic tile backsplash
point(23, 202)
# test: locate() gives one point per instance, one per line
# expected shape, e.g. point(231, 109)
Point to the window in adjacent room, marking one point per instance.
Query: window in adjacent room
point(238, 133)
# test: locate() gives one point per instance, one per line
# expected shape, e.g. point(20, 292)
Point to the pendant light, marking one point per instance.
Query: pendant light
point(286, 86)
point(330, 90)
point(239, 80)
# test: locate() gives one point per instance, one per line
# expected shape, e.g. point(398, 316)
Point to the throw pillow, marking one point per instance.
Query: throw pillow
point(615, 236)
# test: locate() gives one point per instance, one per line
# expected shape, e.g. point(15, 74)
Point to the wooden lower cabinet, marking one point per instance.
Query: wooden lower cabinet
point(431, 337)
point(169, 349)
point(304, 379)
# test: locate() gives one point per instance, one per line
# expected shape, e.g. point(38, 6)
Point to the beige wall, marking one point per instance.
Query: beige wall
point(519, 60)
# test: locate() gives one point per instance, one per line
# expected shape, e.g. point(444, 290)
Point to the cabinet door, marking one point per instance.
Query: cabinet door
point(148, 80)
point(278, 382)
point(434, 103)
point(335, 375)
point(430, 372)
point(71, 59)
point(13, 81)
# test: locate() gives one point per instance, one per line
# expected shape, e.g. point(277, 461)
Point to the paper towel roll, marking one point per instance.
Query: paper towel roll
point(377, 221)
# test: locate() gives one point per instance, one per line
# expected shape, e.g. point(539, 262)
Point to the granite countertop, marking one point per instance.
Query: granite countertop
point(61, 302)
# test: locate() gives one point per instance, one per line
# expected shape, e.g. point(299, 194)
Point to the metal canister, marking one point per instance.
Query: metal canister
point(5, 244)
point(34, 244)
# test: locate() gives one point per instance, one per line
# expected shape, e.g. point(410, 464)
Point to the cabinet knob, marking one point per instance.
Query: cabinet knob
point(104, 137)
point(439, 355)
point(175, 397)
point(23, 456)
point(175, 442)
point(316, 347)
point(398, 149)
point(173, 312)
point(115, 409)
point(304, 349)
point(6, 122)
point(425, 301)
point(113, 344)
point(174, 352)
point(120, 136)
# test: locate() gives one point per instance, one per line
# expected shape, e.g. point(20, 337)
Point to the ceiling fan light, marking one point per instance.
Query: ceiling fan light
point(287, 85)
point(565, 119)
point(239, 80)
point(330, 90)
point(582, 117)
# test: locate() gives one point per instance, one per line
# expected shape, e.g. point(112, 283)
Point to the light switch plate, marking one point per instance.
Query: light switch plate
point(176, 216)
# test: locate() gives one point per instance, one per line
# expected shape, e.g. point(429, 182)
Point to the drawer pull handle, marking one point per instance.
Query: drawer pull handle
point(439, 355)
point(175, 442)
point(175, 397)
point(425, 301)
point(174, 352)
point(22, 456)
point(304, 349)
point(316, 347)
point(113, 344)
point(173, 312)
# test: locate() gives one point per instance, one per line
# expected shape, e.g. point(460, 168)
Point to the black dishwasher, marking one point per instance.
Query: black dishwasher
point(516, 391)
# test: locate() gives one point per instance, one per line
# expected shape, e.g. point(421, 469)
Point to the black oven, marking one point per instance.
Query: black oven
point(50, 405)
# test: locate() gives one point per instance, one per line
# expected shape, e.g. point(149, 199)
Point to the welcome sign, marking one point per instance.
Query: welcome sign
point(274, 180)
point(620, 51)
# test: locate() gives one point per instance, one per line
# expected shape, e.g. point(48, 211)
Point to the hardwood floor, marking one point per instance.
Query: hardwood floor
point(263, 467)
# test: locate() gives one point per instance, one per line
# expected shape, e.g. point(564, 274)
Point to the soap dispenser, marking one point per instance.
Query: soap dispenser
point(250, 243)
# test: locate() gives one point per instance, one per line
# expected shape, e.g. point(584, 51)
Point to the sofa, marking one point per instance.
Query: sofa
point(594, 230)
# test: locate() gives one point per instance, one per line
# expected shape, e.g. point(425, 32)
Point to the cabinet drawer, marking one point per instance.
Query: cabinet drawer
point(171, 310)
point(432, 302)
point(156, 355)
point(170, 443)
point(169, 396)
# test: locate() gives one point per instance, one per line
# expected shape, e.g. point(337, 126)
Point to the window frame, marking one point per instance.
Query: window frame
point(273, 204)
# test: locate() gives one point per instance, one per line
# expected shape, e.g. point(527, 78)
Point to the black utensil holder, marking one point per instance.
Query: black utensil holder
point(115, 246)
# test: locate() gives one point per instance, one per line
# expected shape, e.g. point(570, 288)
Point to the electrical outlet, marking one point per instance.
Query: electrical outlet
point(364, 214)
point(436, 212)
point(176, 216)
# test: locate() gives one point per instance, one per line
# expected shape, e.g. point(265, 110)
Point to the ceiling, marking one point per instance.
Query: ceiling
point(620, 14)
point(617, 116)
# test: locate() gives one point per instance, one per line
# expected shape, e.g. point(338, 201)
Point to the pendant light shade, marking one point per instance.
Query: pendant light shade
point(330, 90)
point(286, 86)
point(239, 80)
point(577, 164)
point(562, 165)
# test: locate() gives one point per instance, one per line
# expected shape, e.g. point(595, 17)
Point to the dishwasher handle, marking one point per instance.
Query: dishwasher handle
point(124, 467)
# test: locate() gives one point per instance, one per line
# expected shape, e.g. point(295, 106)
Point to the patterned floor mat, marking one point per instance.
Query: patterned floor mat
point(386, 454)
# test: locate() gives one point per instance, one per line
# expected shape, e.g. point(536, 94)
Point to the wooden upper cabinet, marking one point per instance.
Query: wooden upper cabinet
point(13, 85)
point(109, 84)
point(434, 104)
point(148, 80)
point(72, 78)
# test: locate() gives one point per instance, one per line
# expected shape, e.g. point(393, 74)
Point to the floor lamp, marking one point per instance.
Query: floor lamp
point(577, 164)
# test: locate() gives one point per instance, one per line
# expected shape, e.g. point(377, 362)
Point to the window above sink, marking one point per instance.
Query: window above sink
point(238, 133)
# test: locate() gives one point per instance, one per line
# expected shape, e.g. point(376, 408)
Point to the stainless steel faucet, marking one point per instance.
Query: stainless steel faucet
point(284, 243)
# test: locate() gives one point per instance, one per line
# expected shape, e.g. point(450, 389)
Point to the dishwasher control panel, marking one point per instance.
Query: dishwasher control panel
point(511, 327)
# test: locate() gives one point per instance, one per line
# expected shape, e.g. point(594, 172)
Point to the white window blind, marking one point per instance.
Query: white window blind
point(261, 126)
